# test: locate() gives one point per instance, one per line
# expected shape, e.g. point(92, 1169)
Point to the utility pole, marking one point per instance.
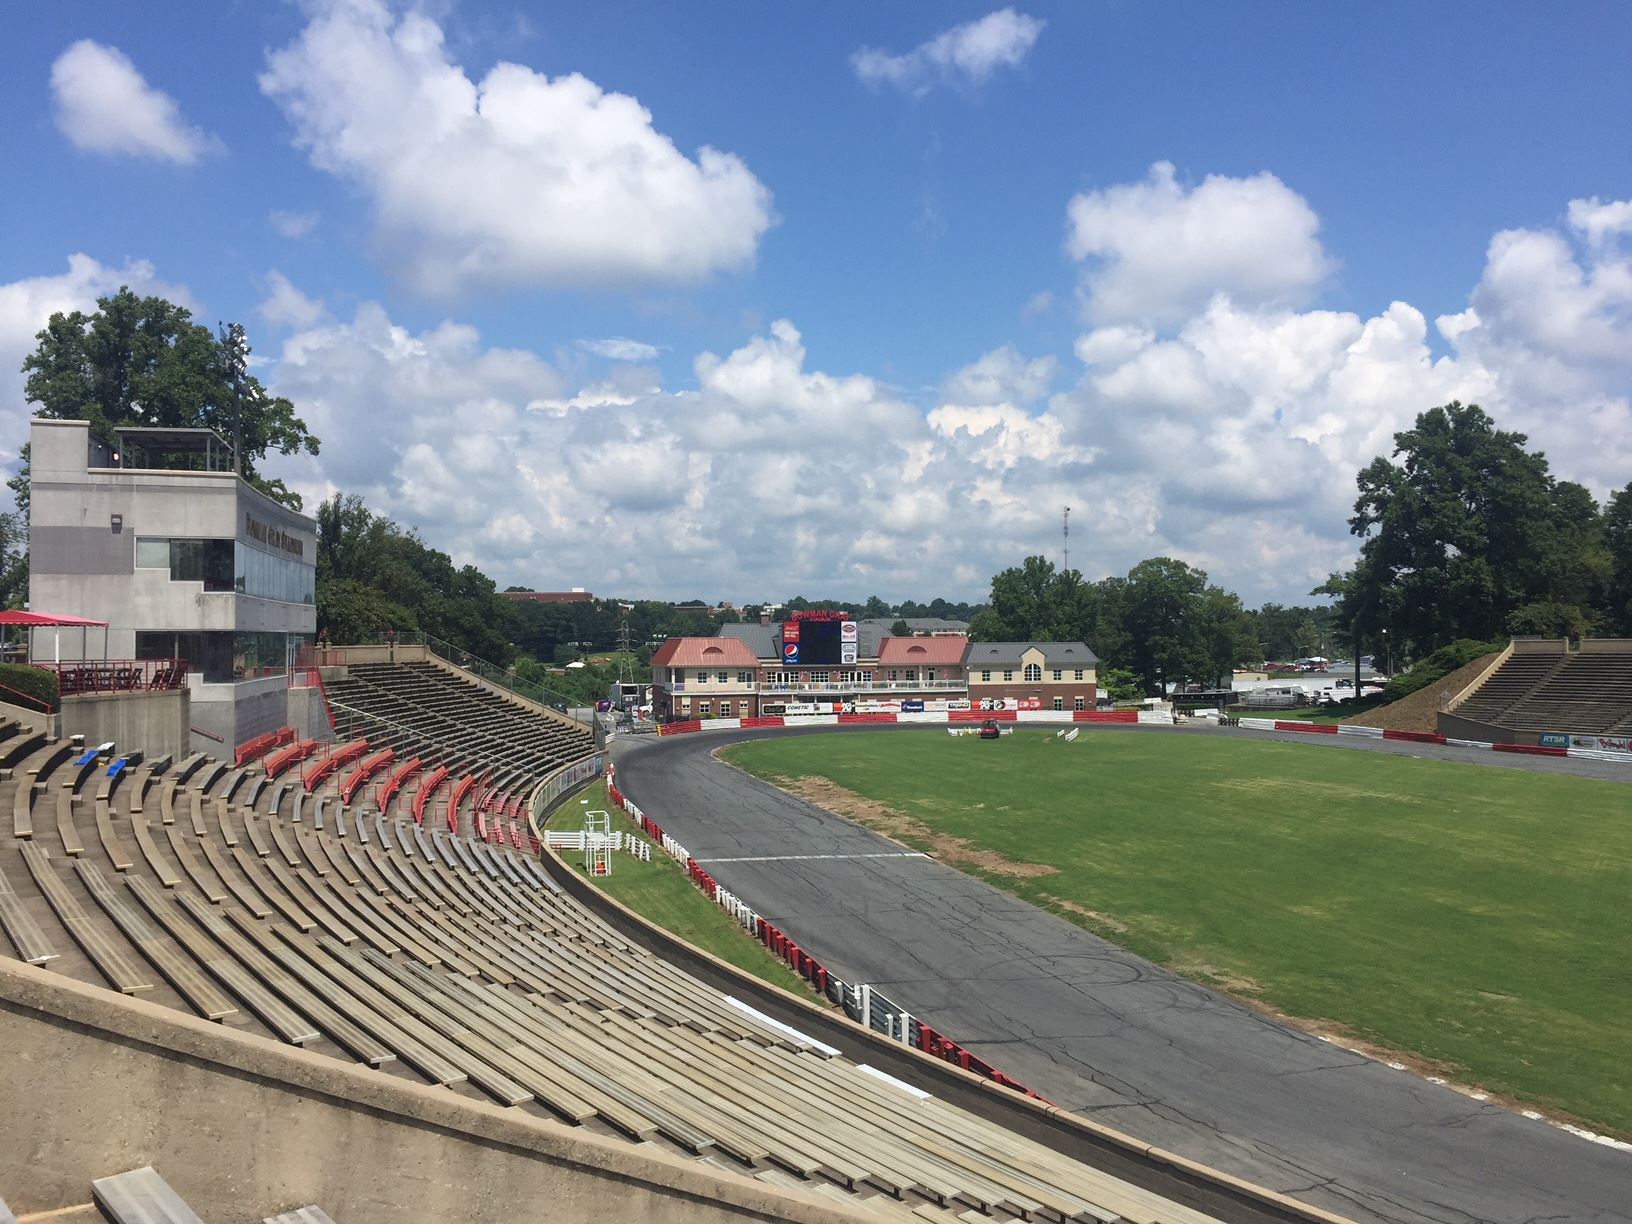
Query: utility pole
point(1066, 530)
point(626, 651)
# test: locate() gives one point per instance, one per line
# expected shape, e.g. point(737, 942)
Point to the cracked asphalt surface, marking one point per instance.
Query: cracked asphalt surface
point(1114, 1037)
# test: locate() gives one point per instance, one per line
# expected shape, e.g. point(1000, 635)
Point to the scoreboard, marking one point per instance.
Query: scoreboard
point(819, 640)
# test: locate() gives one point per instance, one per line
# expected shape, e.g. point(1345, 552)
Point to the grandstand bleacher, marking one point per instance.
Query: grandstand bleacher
point(401, 945)
point(1574, 693)
point(425, 711)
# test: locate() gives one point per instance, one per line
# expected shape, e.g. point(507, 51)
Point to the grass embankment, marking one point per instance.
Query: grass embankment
point(662, 893)
point(1349, 711)
point(1473, 917)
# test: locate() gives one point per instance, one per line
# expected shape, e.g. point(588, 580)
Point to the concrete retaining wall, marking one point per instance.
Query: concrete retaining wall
point(153, 722)
point(32, 720)
point(94, 1083)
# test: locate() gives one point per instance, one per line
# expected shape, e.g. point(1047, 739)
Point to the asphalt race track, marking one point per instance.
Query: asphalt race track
point(1106, 1034)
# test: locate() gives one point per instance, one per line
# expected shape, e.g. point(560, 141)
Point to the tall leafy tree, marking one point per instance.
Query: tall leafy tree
point(1463, 527)
point(144, 361)
point(1618, 548)
point(1163, 609)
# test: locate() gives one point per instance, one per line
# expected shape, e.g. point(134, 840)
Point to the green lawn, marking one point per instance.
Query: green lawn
point(662, 893)
point(1477, 917)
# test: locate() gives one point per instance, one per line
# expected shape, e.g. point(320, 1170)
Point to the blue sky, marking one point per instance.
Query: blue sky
point(951, 267)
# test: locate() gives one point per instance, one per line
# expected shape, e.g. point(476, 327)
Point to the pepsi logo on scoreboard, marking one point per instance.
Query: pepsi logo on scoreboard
point(790, 652)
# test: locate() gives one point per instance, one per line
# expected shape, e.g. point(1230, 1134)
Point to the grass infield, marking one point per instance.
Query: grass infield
point(662, 893)
point(1476, 918)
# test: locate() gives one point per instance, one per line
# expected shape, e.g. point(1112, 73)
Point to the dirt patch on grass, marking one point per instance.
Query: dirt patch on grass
point(902, 827)
point(1082, 911)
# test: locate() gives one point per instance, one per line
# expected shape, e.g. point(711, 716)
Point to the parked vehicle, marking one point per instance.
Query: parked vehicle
point(1275, 697)
point(989, 729)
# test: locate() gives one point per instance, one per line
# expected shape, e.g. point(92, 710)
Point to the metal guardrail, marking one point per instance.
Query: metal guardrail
point(118, 675)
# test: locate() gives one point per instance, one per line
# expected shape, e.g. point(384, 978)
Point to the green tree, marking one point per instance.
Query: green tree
point(13, 561)
point(143, 361)
point(1618, 549)
point(900, 629)
point(1462, 527)
point(1163, 606)
point(373, 575)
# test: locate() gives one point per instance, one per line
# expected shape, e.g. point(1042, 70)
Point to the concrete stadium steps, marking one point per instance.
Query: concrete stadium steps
point(1582, 694)
point(1587, 694)
point(444, 960)
point(1507, 685)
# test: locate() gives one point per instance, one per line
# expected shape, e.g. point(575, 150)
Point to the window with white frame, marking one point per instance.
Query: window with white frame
point(1033, 672)
point(1079, 702)
point(985, 676)
point(1078, 676)
point(1059, 673)
point(1008, 673)
point(1059, 703)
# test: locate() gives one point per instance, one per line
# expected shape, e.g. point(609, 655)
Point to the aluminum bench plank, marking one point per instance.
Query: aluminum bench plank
point(277, 1015)
point(205, 881)
point(104, 953)
point(25, 934)
point(141, 1197)
point(336, 1025)
point(189, 982)
point(161, 867)
point(67, 831)
point(111, 845)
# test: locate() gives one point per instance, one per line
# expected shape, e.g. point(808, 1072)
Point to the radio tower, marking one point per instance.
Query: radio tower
point(1066, 532)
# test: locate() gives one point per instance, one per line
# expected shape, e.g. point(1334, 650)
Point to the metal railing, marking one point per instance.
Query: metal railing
point(118, 675)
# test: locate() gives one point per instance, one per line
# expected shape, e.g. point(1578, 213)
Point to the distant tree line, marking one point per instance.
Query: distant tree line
point(374, 578)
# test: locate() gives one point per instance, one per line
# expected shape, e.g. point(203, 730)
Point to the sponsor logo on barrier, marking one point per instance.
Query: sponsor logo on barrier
point(912, 706)
point(1552, 740)
point(1599, 743)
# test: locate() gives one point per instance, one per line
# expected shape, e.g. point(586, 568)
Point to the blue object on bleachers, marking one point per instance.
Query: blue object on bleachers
point(87, 758)
point(118, 767)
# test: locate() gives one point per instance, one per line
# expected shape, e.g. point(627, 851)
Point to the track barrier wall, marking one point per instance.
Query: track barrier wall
point(1429, 737)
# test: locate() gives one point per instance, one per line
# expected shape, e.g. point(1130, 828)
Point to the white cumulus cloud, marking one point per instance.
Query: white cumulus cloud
point(104, 105)
point(969, 53)
point(292, 224)
point(286, 306)
point(516, 181)
point(621, 348)
point(1157, 251)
